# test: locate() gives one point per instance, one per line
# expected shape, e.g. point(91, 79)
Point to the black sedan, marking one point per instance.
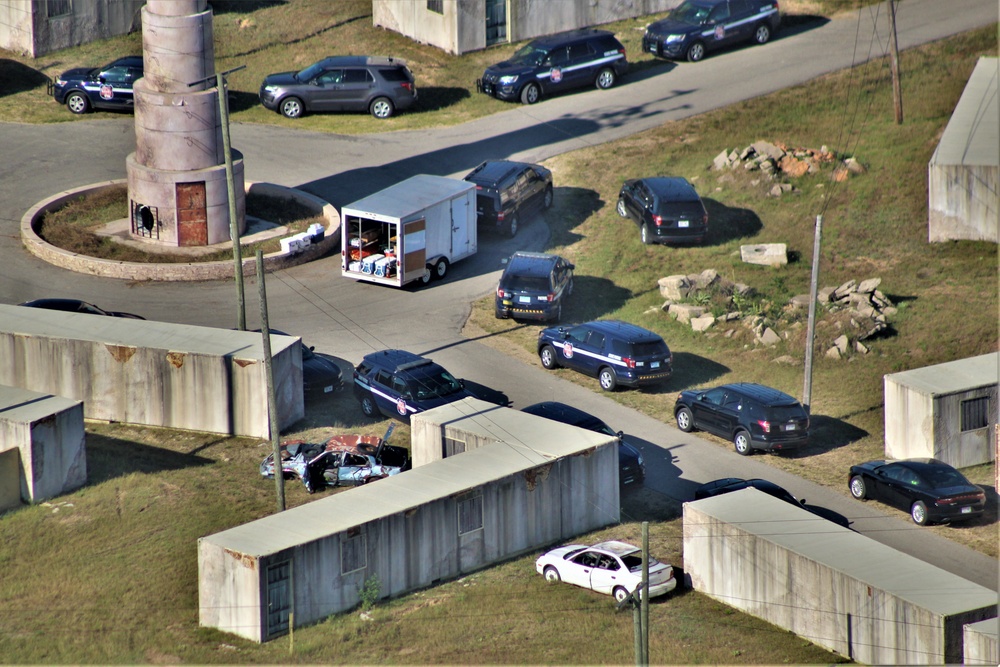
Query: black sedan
point(320, 373)
point(109, 87)
point(77, 306)
point(730, 484)
point(930, 490)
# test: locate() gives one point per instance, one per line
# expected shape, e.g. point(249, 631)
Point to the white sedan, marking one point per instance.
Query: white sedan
point(609, 567)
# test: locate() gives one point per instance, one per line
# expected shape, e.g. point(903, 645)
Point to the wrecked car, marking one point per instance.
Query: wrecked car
point(343, 460)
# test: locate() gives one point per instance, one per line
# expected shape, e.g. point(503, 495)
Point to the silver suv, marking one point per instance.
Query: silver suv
point(376, 84)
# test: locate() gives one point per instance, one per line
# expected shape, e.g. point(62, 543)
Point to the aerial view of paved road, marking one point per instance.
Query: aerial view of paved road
point(351, 319)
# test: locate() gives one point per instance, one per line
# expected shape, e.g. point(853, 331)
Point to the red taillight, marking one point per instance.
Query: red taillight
point(551, 297)
point(479, 187)
point(407, 85)
point(501, 293)
point(764, 424)
point(977, 497)
point(629, 362)
point(657, 220)
point(500, 215)
point(622, 50)
point(704, 220)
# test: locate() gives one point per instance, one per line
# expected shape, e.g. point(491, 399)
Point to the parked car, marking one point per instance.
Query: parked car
point(695, 27)
point(110, 87)
point(667, 209)
point(930, 490)
point(751, 415)
point(320, 373)
point(506, 191)
point(343, 460)
point(556, 63)
point(533, 286)
point(612, 567)
point(729, 484)
point(616, 353)
point(376, 84)
point(631, 467)
point(398, 384)
point(77, 306)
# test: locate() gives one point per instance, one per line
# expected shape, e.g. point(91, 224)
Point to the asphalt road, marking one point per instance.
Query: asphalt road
point(350, 319)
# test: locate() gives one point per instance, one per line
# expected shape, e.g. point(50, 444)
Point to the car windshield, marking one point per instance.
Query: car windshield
point(650, 348)
point(310, 72)
point(434, 385)
point(528, 283)
point(788, 412)
point(529, 55)
point(688, 12)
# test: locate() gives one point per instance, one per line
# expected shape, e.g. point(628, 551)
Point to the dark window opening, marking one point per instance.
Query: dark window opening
point(436, 6)
point(470, 514)
point(59, 8)
point(975, 413)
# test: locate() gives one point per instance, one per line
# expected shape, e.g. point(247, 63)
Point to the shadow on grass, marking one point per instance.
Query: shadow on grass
point(826, 434)
point(692, 370)
point(726, 223)
point(16, 77)
point(603, 297)
point(572, 206)
point(109, 457)
point(436, 98)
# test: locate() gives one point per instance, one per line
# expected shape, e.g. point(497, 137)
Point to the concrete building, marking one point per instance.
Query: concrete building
point(963, 175)
point(42, 452)
point(36, 27)
point(154, 373)
point(542, 483)
point(947, 411)
point(460, 26)
point(981, 643)
point(829, 585)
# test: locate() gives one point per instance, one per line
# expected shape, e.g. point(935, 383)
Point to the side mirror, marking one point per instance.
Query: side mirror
point(571, 267)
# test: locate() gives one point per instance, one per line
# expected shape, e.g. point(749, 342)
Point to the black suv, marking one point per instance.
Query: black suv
point(695, 27)
point(667, 209)
point(617, 353)
point(751, 415)
point(555, 63)
point(396, 383)
point(108, 87)
point(631, 467)
point(533, 285)
point(507, 190)
point(375, 84)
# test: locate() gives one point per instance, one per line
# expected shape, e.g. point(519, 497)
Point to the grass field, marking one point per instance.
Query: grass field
point(108, 574)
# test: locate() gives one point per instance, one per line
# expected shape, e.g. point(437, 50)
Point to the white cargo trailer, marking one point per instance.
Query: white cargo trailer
point(413, 230)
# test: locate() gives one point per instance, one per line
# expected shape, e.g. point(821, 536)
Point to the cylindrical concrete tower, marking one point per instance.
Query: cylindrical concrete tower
point(177, 174)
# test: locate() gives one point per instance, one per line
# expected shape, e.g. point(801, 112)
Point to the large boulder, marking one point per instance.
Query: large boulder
point(766, 254)
point(674, 288)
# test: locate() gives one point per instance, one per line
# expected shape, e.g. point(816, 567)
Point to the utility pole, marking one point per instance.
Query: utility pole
point(272, 408)
point(897, 93)
point(644, 600)
point(234, 231)
point(811, 327)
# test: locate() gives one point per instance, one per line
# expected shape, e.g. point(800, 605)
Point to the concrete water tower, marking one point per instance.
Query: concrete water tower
point(177, 175)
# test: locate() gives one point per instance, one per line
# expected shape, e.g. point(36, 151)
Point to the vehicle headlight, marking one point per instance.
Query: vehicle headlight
point(674, 38)
point(507, 80)
point(60, 81)
point(270, 89)
point(642, 462)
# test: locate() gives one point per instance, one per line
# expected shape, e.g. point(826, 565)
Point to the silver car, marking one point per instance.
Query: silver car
point(376, 84)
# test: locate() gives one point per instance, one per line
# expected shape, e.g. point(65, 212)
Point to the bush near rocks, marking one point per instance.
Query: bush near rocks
point(854, 311)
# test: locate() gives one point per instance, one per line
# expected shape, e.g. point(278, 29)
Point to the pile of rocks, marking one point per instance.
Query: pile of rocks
point(858, 310)
point(778, 159)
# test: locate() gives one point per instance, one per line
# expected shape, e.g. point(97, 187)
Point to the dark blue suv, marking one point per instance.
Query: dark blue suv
point(398, 384)
point(695, 27)
point(108, 87)
point(617, 353)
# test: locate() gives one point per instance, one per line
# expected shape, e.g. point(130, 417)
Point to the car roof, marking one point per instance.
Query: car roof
point(671, 187)
point(616, 547)
point(397, 360)
point(130, 61)
point(626, 330)
point(357, 61)
point(493, 171)
point(762, 393)
point(548, 41)
point(566, 414)
point(531, 263)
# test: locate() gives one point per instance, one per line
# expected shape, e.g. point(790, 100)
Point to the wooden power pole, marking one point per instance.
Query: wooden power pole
point(897, 92)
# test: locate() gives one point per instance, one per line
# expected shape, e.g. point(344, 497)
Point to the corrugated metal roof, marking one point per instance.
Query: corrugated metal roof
point(972, 137)
point(525, 442)
point(21, 405)
point(952, 376)
point(410, 196)
point(146, 333)
point(844, 550)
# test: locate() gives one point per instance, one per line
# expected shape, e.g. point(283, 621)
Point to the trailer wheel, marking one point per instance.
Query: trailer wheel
point(441, 268)
point(426, 278)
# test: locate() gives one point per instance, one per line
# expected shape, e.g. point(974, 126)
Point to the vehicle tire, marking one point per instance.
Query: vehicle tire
point(368, 407)
point(428, 274)
point(918, 512)
point(77, 102)
point(605, 78)
point(621, 208)
point(381, 107)
point(551, 574)
point(558, 314)
point(512, 226)
point(858, 489)
point(742, 442)
point(291, 107)
point(696, 52)
point(685, 420)
point(607, 378)
point(530, 94)
point(547, 355)
point(441, 268)
point(569, 288)
point(644, 234)
point(620, 594)
point(547, 199)
point(762, 34)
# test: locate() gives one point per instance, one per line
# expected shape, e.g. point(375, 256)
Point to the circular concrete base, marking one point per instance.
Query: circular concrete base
point(180, 271)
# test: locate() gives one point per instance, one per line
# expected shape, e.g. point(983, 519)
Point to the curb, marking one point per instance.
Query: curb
point(180, 271)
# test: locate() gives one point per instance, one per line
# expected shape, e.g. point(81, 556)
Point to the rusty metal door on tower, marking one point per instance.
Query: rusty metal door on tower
point(192, 214)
